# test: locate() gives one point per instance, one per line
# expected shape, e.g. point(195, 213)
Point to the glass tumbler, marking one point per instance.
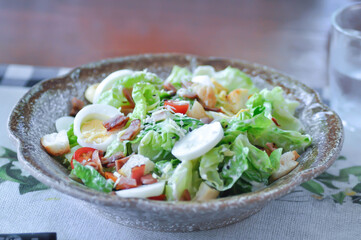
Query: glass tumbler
point(344, 66)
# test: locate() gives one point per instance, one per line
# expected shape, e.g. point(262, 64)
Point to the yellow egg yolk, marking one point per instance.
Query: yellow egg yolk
point(94, 131)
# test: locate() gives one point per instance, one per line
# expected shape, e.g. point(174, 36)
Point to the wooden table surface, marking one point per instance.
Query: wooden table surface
point(288, 35)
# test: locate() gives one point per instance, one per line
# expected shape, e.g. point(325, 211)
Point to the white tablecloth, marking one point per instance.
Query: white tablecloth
point(297, 215)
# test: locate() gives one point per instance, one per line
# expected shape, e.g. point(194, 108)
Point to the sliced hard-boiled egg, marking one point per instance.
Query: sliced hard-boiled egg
point(198, 142)
point(88, 126)
point(64, 123)
point(108, 82)
point(144, 191)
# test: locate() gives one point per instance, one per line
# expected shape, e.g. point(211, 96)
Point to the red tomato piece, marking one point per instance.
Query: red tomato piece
point(148, 179)
point(126, 183)
point(137, 173)
point(177, 107)
point(82, 154)
point(161, 197)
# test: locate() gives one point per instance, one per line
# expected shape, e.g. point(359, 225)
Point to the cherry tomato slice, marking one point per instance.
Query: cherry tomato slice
point(82, 154)
point(177, 107)
point(137, 173)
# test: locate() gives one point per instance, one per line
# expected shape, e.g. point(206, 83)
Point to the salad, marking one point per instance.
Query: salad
point(193, 136)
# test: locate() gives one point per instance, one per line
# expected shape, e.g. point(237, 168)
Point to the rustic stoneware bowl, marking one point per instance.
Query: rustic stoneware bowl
point(36, 112)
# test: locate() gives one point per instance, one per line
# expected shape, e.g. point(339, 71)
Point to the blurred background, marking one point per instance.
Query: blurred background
point(288, 35)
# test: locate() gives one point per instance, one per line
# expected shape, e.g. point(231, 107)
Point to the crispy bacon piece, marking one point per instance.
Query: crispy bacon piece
point(120, 162)
point(127, 109)
point(95, 162)
point(161, 197)
point(77, 105)
point(132, 130)
point(115, 123)
point(125, 183)
point(270, 148)
point(275, 121)
point(127, 92)
point(186, 196)
point(110, 161)
point(109, 175)
point(148, 179)
point(169, 87)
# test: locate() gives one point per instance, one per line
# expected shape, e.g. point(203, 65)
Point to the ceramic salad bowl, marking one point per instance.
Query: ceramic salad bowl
point(36, 112)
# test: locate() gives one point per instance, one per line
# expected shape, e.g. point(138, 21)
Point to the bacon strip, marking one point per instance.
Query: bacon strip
point(275, 121)
point(270, 148)
point(148, 179)
point(77, 105)
point(115, 123)
point(132, 130)
point(169, 87)
point(127, 92)
point(96, 160)
point(127, 109)
point(112, 158)
point(186, 196)
point(120, 162)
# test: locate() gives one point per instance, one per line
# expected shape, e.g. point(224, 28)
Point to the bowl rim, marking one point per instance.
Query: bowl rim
point(247, 199)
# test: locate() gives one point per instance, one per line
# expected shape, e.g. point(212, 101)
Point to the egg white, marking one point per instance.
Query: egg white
point(90, 112)
point(108, 82)
point(64, 123)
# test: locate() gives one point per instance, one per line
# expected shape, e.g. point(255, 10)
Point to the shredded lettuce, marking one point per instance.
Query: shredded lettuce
point(115, 147)
point(283, 110)
point(233, 78)
point(129, 81)
point(165, 168)
point(146, 98)
point(159, 140)
point(73, 140)
point(185, 177)
point(91, 178)
point(113, 97)
point(178, 75)
point(222, 166)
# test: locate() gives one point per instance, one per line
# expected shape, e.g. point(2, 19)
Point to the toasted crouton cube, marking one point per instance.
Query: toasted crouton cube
point(56, 144)
point(287, 164)
point(237, 99)
point(197, 111)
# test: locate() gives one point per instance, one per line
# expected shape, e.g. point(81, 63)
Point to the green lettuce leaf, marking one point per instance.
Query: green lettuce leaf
point(233, 161)
point(129, 81)
point(146, 98)
point(185, 177)
point(288, 140)
point(282, 109)
point(115, 147)
point(178, 75)
point(91, 178)
point(233, 78)
point(73, 140)
point(165, 168)
point(159, 140)
point(113, 97)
